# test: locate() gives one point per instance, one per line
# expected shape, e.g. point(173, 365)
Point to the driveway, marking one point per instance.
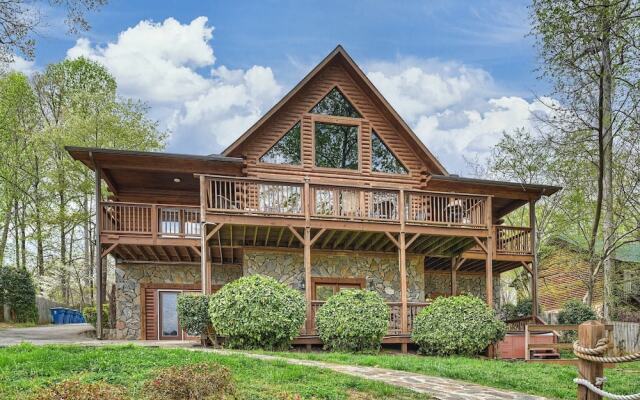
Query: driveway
point(48, 334)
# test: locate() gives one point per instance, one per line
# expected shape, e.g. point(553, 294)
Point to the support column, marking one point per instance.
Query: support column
point(489, 250)
point(489, 272)
point(98, 252)
point(534, 263)
point(205, 263)
point(404, 321)
point(454, 279)
point(307, 279)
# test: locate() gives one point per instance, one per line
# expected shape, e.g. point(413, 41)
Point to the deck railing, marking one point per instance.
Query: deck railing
point(140, 219)
point(513, 239)
point(346, 202)
point(413, 308)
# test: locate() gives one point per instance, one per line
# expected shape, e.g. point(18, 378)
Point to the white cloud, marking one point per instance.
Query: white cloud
point(161, 63)
point(456, 110)
point(21, 65)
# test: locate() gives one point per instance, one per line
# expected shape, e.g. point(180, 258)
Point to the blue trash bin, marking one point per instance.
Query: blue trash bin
point(57, 315)
point(76, 317)
point(67, 316)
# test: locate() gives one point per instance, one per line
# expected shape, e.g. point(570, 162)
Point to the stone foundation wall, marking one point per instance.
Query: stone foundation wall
point(130, 276)
point(381, 272)
point(439, 283)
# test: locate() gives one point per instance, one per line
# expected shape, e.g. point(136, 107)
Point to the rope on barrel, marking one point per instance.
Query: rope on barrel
point(596, 355)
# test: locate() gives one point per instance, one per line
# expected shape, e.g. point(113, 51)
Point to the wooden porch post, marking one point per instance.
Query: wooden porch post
point(205, 265)
point(454, 279)
point(489, 251)
point(98, 252)
point(306, 198)
point(402, 248)
point(534, 263)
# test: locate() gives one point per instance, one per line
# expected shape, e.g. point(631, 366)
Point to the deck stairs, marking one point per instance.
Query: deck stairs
point(544, 354)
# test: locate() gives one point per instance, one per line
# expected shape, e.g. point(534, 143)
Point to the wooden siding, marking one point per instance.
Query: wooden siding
point(297, 110)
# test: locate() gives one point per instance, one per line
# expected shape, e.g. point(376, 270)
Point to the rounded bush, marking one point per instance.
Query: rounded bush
point(257, 312)
point(353, 320)
point(91, 316)
point(193, 313)
point(19, 293)
point(575, 312)
point(196, 381)
point(462, 325)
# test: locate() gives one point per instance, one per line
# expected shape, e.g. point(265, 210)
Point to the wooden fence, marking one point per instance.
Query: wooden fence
point(626, 337)
point(43, 304)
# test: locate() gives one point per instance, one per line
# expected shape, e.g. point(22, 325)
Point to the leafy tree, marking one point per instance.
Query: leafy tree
point(19, 293)
point(19, 20)
point(590, 53)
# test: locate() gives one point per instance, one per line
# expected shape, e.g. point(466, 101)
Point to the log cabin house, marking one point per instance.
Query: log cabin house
point(330, 189)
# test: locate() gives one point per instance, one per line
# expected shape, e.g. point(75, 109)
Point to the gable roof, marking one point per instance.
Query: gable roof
point(339, 54)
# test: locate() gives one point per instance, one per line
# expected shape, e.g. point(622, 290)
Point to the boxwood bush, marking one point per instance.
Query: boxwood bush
point(353, 320)
point(574, 312)
point(257, 312)
point(462, 325)
point(193, 314)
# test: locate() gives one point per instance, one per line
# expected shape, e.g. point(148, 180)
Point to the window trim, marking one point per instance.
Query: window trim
point(334, 280)
point(381, 173)
point(328, 119)
point(297, 166)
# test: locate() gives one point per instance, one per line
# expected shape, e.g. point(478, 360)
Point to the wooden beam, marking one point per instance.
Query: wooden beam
point(196, 250)
point(255, 235)
point(307, 277)
point(489, 274)
point(339, 239)
point(392, 239)
point(413, 239)
point(534, 264)
point(375, 241)
point(482, 245)
point(404, 325)
point(352, 239)
point(296, 234)
point(266, 236)
point(317, 236)
point(279, 237)
point(327, 238)
point(214, 231)
point(526, 266)
point(109, 250)
point(459, 263)
point(98, 250)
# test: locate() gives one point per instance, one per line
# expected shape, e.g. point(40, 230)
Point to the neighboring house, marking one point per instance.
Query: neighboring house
point(328, 190)
point(564, 275)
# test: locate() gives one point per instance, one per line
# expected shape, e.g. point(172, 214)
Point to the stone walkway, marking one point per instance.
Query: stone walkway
point(440, 388)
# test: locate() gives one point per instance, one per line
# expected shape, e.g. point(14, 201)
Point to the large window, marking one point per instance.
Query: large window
point(382, 159)
point(323, 288)
point(336, 146)
point(334, 103)
point(286, 150)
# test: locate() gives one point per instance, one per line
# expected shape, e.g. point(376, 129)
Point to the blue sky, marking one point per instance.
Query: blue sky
point(459, 72)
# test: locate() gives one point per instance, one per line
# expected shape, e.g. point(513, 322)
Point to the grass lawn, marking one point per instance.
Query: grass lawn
point(25, 368)
point(552, 381)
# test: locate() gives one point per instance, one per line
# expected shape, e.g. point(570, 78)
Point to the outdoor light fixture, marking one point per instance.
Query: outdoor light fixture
point(177, 180)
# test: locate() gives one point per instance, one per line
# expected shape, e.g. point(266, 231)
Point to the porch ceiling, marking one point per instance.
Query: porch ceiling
point(240, 236)
point(443, 264)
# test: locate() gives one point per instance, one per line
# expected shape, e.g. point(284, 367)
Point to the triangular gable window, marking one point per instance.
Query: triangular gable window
point(334, 103)
point(382, 159)
point(286, 150)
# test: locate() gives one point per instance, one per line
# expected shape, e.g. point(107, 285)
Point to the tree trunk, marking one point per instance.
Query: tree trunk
point(5, 235)
point(608, 228)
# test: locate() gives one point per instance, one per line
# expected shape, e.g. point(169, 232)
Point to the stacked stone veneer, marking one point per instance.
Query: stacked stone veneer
point(381, 272)
point(439, 283)
point(130, 276)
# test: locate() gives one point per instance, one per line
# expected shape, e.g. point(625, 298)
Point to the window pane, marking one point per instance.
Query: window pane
point(169, 311)
point(336, 146)
point(286, 150)
point(382, 159)
point(334, 103)
point(323, 292)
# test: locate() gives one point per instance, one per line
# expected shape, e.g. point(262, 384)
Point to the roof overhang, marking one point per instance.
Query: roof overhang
point(144, 176)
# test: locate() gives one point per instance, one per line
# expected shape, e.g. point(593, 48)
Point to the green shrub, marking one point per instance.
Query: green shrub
point(75, 390)
point(353, 320)
point(574, 312)
point(91, 316)
point(462, 325)
point(193, 313)
point(513, 311)
point(191, 382)
point(19, 293)
point(257, 312)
